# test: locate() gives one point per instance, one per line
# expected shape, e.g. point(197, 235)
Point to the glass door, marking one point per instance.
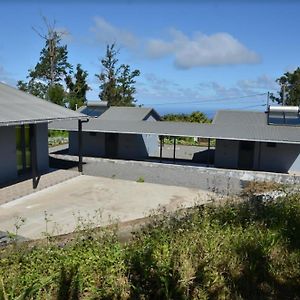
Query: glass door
point(23, 148)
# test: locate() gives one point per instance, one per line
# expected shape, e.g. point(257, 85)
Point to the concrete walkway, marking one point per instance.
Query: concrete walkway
point(24, 188)
point(92, 200)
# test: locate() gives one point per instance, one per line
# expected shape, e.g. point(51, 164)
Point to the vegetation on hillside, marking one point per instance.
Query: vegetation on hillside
point(245, 250)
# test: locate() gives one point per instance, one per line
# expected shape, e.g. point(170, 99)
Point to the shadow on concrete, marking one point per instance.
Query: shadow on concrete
point(64, 164)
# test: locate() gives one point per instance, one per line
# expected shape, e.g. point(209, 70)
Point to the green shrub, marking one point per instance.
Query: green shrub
point(247, 250)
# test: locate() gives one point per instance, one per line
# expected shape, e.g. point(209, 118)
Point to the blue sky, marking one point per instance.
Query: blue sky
point(192, 56)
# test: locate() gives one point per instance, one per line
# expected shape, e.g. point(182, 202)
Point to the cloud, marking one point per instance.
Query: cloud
point(106, 33)
point(201, 50)
point(262, 82)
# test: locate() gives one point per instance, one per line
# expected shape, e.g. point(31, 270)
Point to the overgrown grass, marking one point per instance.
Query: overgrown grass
point(248, 250)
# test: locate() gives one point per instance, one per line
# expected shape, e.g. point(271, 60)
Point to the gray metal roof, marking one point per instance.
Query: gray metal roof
point(230, 131)
point(232, 117)
point(119, 113)
point(18, 107)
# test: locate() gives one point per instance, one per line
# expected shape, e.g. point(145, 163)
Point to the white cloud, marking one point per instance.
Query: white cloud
point(106, 33)
point(262, 82)
point(201, 50)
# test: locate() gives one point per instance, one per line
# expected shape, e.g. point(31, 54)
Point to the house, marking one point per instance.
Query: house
point(116, 145)
point(24, 132)
point(247, 140)
point(244, 139)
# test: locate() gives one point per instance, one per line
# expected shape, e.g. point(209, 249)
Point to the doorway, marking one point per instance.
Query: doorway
point(23, 148)
point(246, 155)
point(111, 145)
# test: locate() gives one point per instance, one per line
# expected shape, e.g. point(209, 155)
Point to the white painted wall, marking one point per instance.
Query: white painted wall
point(92, 144)
point(8, 158)
point(282, 158)
point(226, 154)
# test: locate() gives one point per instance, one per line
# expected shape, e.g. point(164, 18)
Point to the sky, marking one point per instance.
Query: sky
point(192, 55)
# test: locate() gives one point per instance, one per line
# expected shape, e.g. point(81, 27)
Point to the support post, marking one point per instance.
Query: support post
point(161, 146)
point(208, 152)
point(174, 149)
point(33, 150)
point(80, 146)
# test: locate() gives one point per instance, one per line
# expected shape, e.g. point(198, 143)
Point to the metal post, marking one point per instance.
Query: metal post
point(79, 145)
point(208, 152)
point(33, 148)
point(161, 146)
point(174, 149)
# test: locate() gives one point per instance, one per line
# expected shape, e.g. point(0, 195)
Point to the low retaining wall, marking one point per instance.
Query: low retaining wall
point(224, 181)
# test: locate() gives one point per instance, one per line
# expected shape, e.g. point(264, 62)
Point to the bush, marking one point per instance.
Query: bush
point(247, 250)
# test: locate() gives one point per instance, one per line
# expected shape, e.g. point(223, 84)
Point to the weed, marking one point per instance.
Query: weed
point(140, 179)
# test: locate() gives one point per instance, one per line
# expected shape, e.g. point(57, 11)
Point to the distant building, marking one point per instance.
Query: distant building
point(244, 140)
point(116, 145)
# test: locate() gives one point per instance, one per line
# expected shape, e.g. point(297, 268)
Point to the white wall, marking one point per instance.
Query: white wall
point(132, 146)
point(8, 158)
point(226, 154)
point(281, 158)
point(92, 144)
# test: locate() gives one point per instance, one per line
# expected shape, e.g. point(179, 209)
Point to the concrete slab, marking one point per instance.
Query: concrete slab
point(96, 200)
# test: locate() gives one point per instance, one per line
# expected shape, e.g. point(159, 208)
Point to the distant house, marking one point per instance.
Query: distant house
point(244, 140)
point(24, 132)
point(116, 145)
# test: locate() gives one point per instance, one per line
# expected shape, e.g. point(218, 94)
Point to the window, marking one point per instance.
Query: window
point(93, 133)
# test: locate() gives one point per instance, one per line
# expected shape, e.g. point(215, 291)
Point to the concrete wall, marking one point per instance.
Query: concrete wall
point(8, 158)
point(224, 181)
point(42, 146)
point(93, 144)
point(132, 146)
point(226, 154)
point(281, 158)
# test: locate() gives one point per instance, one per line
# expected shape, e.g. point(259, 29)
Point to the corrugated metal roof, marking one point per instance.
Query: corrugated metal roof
point(128, 113)
point(18, 107)
point(229, 117)
point(233, 131)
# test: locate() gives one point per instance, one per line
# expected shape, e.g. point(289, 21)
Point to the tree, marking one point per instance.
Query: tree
point(52, 67)
point(126, 88)
point(77, 88)
point(194, 117)
point(116, 83)
point(291, 84)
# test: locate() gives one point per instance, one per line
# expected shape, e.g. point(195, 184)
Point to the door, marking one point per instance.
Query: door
point(111, 145)
point(246, 155)
point(23, 148)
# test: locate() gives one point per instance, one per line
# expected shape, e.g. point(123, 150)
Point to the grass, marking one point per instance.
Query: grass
point(245, 250)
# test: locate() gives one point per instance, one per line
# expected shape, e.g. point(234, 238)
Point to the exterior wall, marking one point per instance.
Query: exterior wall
point(152, 144)
point(93, 144)
point(132, 146)
point(281, 158)
point(8, 157)
point(226, 154)
point(42, 146)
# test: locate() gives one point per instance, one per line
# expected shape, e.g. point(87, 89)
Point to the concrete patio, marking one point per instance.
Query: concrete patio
point(99, 201)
